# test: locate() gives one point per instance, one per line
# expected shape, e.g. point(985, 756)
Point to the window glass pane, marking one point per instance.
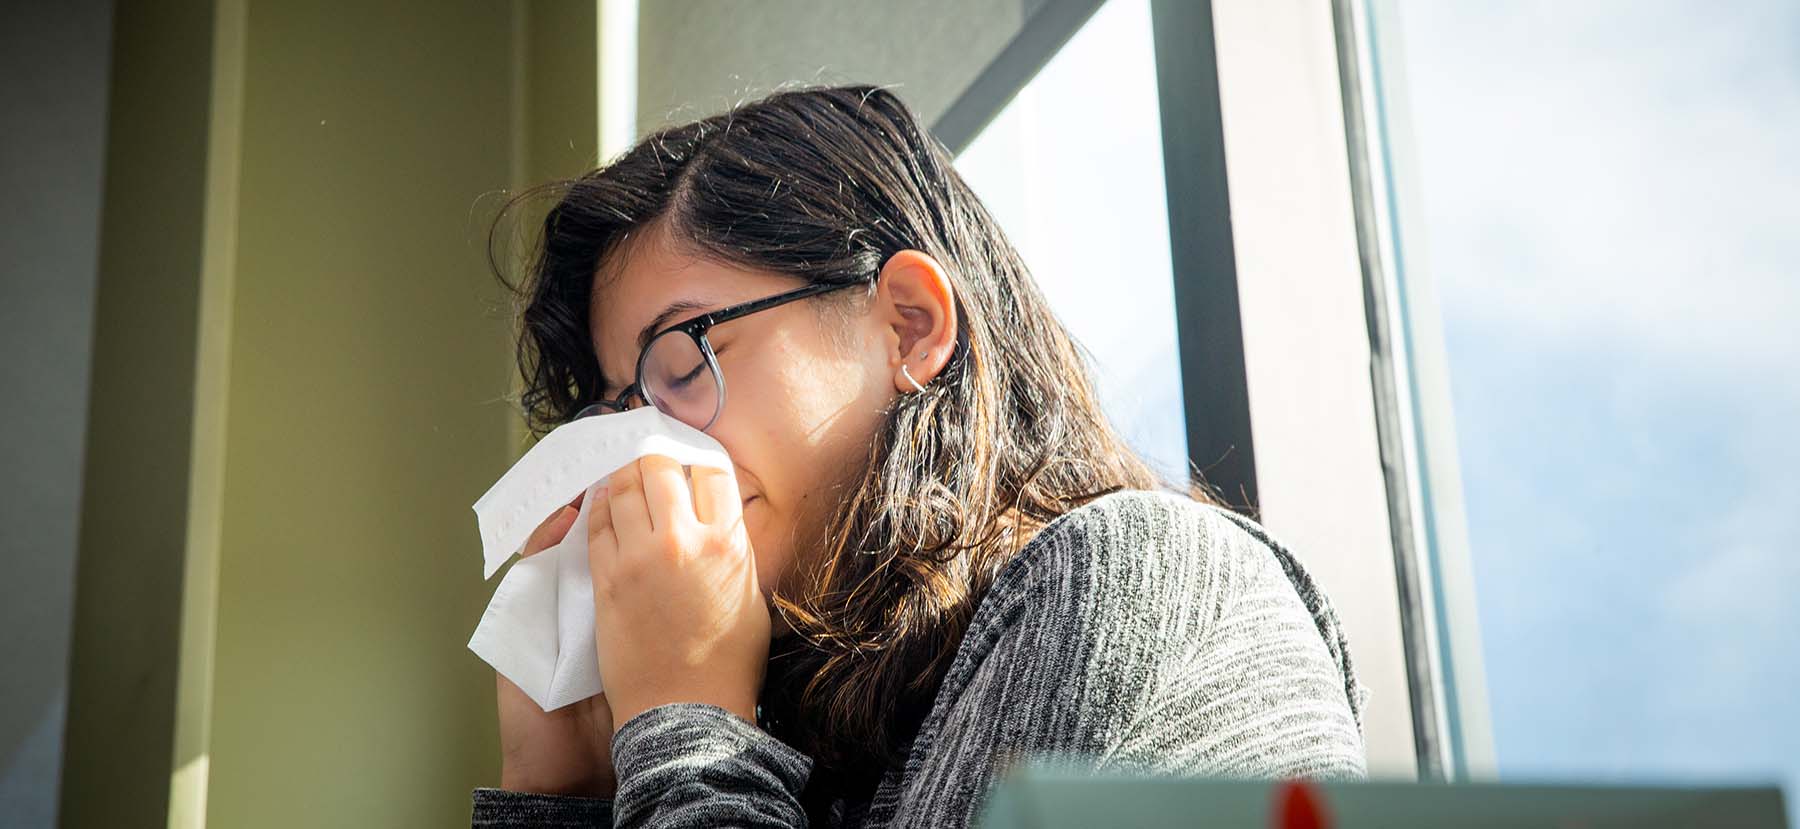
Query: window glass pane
point(1609, 190)
point(1072, 169)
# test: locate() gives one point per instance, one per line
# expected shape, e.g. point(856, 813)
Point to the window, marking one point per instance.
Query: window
point(1072, 169)
point(1607, 190)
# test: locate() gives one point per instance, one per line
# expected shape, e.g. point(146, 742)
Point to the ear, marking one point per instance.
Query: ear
point(918, 315)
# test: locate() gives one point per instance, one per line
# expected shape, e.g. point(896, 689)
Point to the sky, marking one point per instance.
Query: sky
point(1084, 132)
point(1611, 201)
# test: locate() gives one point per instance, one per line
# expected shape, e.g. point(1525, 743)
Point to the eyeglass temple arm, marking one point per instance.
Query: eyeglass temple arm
point(712, 319)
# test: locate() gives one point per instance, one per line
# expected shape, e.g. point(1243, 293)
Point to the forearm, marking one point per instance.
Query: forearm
point(696, 764)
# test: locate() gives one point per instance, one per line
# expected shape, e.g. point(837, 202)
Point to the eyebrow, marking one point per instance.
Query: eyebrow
point(660, 320)
point(656, 325)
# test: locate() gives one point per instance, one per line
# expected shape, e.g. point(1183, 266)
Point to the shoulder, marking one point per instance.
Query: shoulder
point(1170, 578)
point(1138, 567)
point(1133, 547)
point(1149, 631)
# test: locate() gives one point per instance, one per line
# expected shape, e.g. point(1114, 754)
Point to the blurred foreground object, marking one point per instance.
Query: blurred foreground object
point(1044, 798)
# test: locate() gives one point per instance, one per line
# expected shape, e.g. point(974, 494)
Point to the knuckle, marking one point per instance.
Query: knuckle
point(629, 570)
point(606, 586)
point(670, 545)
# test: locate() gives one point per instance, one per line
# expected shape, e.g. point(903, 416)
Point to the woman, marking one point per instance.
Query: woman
point(934, 557)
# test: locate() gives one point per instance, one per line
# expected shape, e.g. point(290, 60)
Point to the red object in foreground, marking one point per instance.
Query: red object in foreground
point(1299, 805)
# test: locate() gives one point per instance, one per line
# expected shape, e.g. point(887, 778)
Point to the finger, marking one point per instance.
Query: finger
point(549, 533)
point(666, 492)
point(599, 514)
point(716, 498)
point(602, 542)
point(625, 497)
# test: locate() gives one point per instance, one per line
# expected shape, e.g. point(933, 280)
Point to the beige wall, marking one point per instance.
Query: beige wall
point(1306, 344)
point(698, 57)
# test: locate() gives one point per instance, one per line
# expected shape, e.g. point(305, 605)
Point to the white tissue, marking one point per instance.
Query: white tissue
point(538, 630)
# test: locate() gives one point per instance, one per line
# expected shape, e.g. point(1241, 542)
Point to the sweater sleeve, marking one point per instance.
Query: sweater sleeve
point(682, 764)
point(695, 764)
point(509, 809)
point(1243, 669)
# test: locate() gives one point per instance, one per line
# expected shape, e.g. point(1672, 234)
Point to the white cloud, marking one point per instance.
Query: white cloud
point(1612, 192)
point(1622, 171)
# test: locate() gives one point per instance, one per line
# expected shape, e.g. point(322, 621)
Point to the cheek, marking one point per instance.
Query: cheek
point(789, 416)
point(798, 423)
point(771, 561)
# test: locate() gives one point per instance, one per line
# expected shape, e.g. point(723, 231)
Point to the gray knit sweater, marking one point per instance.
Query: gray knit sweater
point(1140, 632)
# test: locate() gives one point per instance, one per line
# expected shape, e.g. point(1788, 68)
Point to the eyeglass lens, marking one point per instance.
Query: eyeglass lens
point(679, 380)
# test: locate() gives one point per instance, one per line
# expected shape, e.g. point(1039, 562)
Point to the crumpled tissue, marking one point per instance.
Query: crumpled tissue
point(538, 630)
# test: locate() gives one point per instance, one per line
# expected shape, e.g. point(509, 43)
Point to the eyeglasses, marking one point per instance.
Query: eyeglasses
point(677, 371)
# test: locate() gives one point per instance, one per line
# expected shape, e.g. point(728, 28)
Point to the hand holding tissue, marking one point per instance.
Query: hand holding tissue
point(539, 629)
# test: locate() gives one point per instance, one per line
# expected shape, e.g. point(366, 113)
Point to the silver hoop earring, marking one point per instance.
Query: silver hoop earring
point(909, 378)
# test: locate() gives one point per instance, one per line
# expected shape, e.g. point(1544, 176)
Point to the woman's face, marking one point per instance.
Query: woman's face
point(801, 405)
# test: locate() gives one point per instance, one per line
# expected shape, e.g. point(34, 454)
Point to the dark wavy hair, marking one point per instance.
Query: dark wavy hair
point(825, 183)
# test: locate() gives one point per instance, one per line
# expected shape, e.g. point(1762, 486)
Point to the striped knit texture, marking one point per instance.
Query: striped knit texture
point(1142, 632)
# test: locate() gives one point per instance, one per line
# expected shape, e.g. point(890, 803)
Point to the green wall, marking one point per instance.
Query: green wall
point(135, 482)
point(363, 416)
point(301, 365)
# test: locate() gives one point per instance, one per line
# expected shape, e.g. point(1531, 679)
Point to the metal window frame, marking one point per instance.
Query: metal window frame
point(1451, 731)
point(1209, 327)
point(1445, 670)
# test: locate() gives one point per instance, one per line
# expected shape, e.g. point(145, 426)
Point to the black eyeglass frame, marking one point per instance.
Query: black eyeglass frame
point(696, 329)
